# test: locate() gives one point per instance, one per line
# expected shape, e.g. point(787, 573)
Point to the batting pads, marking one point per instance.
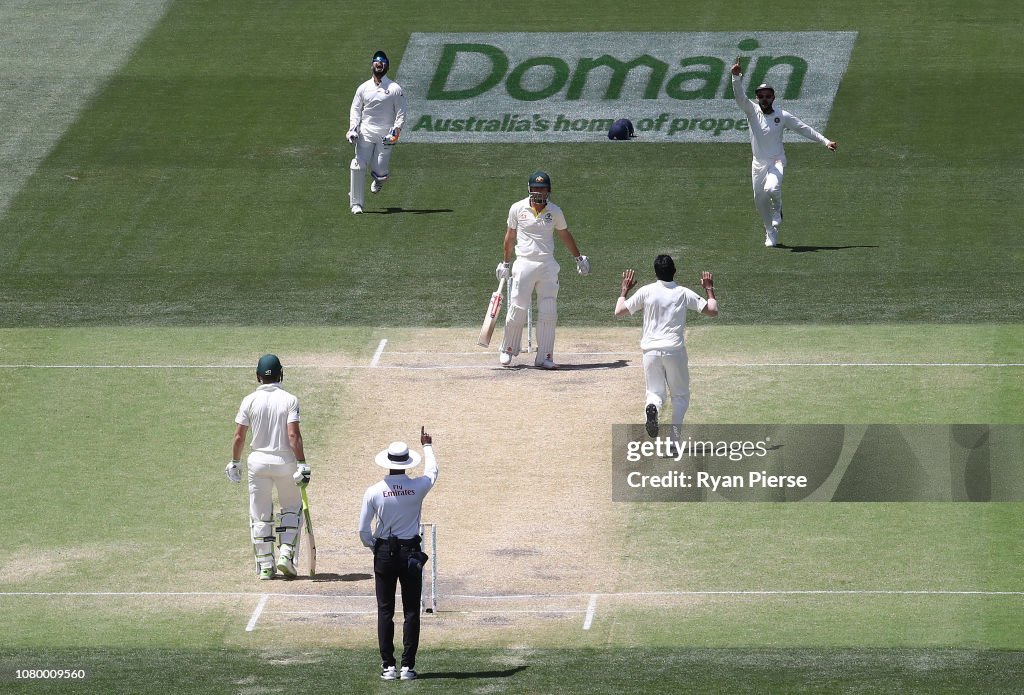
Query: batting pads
point(515, 322)
point(547, 315)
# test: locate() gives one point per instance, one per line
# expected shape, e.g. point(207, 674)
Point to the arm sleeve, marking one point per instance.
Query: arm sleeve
point(242, 418)
point(800, 128)
point(365, 517)
point(560, 222)
point(293, 411)
point(430, 469)
point(740, 96)
point(512, 222)
point(401, 106)
point(694, 302)
point(355, 113)
point(636, 302)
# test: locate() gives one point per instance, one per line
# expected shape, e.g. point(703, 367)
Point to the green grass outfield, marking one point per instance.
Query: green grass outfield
point(194, 213)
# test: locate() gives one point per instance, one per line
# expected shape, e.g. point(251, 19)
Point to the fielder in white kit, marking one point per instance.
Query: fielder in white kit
point(532, 225)
point(665, 304)
point(766, 128)
point(277, 459)
point(375, 122)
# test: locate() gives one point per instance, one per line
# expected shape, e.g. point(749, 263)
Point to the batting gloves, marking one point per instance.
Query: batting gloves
point(502, 272)
point(233, 472)
point(583, 265)
point(393, 134)
point(302, 474)
point(352, 136)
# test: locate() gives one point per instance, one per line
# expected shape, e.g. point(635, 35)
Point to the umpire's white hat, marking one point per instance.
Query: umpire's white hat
point(397, 457)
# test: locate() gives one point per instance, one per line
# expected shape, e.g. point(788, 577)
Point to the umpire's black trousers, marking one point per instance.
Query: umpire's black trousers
point(391, 565)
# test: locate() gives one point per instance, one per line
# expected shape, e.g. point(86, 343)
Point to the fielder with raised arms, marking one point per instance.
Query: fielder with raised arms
point(666, 370)
point(532, 225)
point(374, 123)
point(766, 128)
point(277, 459)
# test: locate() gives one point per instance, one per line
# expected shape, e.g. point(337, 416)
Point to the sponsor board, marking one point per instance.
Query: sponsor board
point(570, 87)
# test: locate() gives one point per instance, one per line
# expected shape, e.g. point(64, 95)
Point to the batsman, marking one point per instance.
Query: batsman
point(532, 225)
point(277, 459)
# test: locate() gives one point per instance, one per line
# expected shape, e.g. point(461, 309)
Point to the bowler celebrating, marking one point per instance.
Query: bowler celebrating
point(766, 127)
point(665, 304)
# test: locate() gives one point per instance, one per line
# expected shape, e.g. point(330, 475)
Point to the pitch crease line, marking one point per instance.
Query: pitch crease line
point(591, 610)
point(257, 612)
point(380, 351)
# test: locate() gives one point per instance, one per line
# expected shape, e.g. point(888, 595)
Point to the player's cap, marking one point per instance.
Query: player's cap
point(269, 365)
point(621, 129)
point(380, 57)
point(397, 457)
point(764, 86)
point(540, 179)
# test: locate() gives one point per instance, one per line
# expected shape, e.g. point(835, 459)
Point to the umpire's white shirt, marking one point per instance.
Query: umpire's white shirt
point(535, 231)
point(267, 412)
point(376, 109)
point(766, 129)
point(396, 503)
point(665, 305)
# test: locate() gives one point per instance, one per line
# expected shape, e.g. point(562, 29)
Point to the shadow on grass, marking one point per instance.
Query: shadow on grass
point(812, 249)
point(465, 675)
point(395, 211)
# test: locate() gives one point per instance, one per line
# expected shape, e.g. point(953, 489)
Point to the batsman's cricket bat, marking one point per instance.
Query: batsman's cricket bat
point(310, 538)
point(491, 317)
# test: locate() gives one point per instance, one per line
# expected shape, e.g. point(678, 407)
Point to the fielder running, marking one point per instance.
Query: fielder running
point(665, 304)
point(766, 128)
point(397, 504)
point(374, 123)
point(277, 459)
point(532, 224)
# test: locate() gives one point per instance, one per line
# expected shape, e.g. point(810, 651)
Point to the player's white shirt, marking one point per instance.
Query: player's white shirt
point(267, 412)
point(535, 231)
point(766, 129)
point(665, 305)
point(376, 109)
point(396, 503)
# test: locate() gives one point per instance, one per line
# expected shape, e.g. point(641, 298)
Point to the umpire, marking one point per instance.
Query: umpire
point(397, 502)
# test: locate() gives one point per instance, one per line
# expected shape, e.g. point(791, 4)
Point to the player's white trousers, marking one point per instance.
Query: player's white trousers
point(529, 276)
point(667, 374)
point(370, 154)
point(265, 472)
point(766, 179)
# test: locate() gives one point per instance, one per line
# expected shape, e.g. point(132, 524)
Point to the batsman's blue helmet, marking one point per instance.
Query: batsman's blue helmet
point(621, 129)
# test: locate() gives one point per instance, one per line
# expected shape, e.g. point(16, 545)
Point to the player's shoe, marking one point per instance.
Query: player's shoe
point(266, 573)
point(545, 363)
point(504, 358)
point(376, 185)
point(388, 673)
point(652, 420)
point(771, 238)
point(286, 566)
point(357, 209)
point(408, 674)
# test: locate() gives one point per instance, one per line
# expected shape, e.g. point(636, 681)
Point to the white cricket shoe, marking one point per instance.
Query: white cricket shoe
point(771, 238)
point(357, 209)
point(504, 358)
point(376, 186)
point(266, 573)
point(408, 674)
point(388, 673)
point(286, 566)
point(545, 363)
